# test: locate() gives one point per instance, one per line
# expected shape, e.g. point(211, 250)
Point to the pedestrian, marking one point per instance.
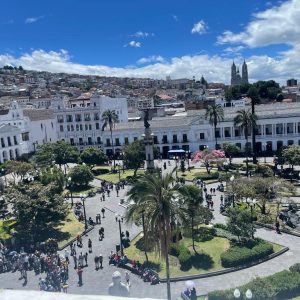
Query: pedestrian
point(108, 193)
point(127, 234)
point(80, 260)
point(103, 197)
point(86, 259)
point(117, 192)
point(90, 246)
point(100, 234)
point(99, 218)
point(127, 278)
point(79, 272)
point(96, 260)
point(101, 261)
point(103, 212)
point(75, 261)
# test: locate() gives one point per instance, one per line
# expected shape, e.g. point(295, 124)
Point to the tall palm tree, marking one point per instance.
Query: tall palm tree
point(192, 199)
point(246, 121)
point(155, 195)
point(215, 114)
point(110, 118)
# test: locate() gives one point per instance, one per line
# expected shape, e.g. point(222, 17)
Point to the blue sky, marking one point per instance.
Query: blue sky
point(146, 38)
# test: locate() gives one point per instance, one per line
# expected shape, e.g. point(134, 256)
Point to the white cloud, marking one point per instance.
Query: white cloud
point(33, 19)
point(150, 59)
point(175, 18)
point(199, 27)
point(141, 34)
point(133, 44)
point(276, 25)
point(236, 49)
point(214, 68)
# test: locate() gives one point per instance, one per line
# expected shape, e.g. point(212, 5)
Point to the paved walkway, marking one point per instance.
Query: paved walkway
point(96, 282)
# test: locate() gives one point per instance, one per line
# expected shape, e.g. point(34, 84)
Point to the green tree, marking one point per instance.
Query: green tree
point(92, 156)
point(134, 155)
point(60, 153)
point(17, 168)
point(81, 175)
point(37, 210)
point(159, 198)
point(245, 120)
point(239, 223)
point(253, 94)
point(291, 155)
point(264, 171)
point(230, 150)
point(192, 198)
point(215, 115)
point(109, 119)
point(55, 176)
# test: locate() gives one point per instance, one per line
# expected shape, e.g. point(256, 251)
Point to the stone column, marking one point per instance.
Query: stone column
point(148, 142)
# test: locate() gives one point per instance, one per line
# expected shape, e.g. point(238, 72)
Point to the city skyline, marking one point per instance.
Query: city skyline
point(171, 38)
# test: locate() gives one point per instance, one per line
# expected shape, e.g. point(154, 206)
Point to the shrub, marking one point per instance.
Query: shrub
point(184, 256)
point(282, 285)
point(204, 234)
point(100, 171)
point(212, 175)
point(237, 255)
point(221, 225)
point(295, 268)
point(174, 249)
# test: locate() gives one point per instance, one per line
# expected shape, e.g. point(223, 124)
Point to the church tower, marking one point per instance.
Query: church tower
point(245, 73)
point(233, 74)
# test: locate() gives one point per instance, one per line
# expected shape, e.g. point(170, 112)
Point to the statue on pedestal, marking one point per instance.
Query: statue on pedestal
point(117, 288)
point(146, 119)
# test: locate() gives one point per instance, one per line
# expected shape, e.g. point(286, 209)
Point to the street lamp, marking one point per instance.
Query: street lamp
point(265, 152)
point(83, 197)
point(71, 190)
point(237, 294)
point(119, 219)
point(3, 171)
point(187, 155)
point(247, 166)
point(252, 203)
point(231, 180)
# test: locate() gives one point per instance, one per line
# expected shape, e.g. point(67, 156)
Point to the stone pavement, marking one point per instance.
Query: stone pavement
point(96, 282)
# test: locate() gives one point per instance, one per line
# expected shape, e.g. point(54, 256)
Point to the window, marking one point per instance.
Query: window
point(72, 127)
point(61, 128)
point(165, 139)
point(97, 126)
point(96, 116)
point(155, 139)
point(77, 127)
point(25, 137)
point(184, 138)
point(69, 118)
point(60, 118)
point(86, 126)
point(135, 138)
point(126, 141)
point(217, 133)
point(81, 128)
point(90, 141)
point(90, 126)
point(107, 142)
point(72, 141)
point(202, 136)
point(8, 141)
point(174, 138)
point(117, 142)
point(68, 127)
point(87, 117)
point(52, 124)
point(41, 126)
point(80, 141)
point(227, 132)
point(78, 118)
point(3, 143)
point(98, 140)
point(15, 140)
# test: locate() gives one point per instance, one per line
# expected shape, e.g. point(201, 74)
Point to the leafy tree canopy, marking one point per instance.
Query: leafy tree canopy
point(92, 156)
point(81, 175)
point(134, 155)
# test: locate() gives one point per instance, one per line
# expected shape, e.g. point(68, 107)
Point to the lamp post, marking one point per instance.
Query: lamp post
point(237, 294)
point(3, 171)
point(232, 180)
point(247, 166)
point(265, 152)
point(83, 197)
point(187, 155)
point(176, 159)
point(119, 219)
point(71, 190)
point(252, 203)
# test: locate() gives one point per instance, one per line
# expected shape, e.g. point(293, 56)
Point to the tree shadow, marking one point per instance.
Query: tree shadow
point(140, 244)
point(198, 261)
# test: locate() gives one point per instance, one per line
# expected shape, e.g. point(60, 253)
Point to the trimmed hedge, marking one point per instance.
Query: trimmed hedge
point(212, 175)
point(183, 254)
point(282, 285)
point(236, 256)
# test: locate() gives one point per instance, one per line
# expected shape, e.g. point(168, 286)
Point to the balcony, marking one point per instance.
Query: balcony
point(118, 144)
point(185, 141)
point(175, 141)
point(164, 141)
point(78, 120)
point(60, 120)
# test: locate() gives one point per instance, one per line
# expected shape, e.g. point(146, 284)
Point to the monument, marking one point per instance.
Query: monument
point(148, 142)
point(117, 288)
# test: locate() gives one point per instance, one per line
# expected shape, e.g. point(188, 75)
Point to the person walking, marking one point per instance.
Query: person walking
point(101, 261)
point(79, 272)
point(96, 260)
point(127, 278)
point(90, 246)
point(103, 212)
point(67, 254)
point(86, 259)
point(75, 261)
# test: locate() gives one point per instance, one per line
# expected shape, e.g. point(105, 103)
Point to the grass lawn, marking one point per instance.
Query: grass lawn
point(114, 177)
point(106, 167)
point(208, 259)
point(190, 175)
point(6, 228)
point(77, 191)
point(68, 229)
